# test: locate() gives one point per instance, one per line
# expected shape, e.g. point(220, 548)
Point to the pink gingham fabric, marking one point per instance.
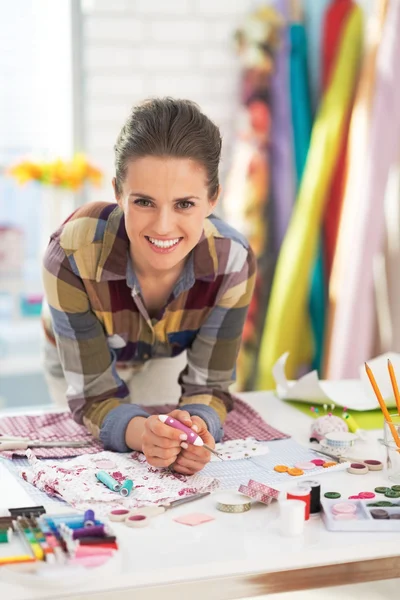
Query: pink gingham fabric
point(242, 422)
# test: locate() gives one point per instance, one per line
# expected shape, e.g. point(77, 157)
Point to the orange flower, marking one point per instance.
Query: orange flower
point(71, 174)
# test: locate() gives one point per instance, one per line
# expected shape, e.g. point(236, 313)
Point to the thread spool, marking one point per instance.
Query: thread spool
point(304, 495)
point(93, 531)
point(291, 517)
point(89, 518)
point(126, 487)
point(315, 496)
point(109, 481)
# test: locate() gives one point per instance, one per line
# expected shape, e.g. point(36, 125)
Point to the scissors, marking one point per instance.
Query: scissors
point(153, 511)
point(10, 442)
point(192, 437)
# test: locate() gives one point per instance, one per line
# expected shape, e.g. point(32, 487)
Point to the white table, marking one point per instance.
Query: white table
point(240, 555)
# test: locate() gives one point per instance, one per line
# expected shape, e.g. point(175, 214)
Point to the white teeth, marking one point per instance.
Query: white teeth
point(162, 243)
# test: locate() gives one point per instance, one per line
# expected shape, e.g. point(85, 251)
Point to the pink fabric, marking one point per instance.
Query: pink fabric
point(194, 519)
point(75, 481)
point(242, 422)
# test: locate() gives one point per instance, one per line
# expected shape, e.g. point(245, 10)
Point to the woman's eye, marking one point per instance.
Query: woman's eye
point(185, 204)
point(143, 202)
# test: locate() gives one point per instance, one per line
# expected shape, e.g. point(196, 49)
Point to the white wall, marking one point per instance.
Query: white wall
point(141, 48)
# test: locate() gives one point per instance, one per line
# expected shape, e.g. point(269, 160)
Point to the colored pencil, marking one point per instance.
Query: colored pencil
point(394, 385)
point(383, 405)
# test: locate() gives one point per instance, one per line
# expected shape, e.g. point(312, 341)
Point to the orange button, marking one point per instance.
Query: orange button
point(295, 472)
point(329, 464)
point(281, 469)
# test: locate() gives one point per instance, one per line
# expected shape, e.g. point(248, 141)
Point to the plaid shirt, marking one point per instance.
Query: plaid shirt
point(99, 320)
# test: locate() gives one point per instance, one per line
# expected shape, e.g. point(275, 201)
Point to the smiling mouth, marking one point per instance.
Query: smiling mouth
point(163, 244)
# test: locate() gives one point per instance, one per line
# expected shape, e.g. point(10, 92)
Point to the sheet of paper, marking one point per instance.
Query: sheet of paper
point(355, 394)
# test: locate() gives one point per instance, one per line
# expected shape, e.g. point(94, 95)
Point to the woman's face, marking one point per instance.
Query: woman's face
point(165, 202)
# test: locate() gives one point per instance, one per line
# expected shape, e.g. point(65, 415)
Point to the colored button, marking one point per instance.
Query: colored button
point(328, 464)
point(333, 495)
point(381, 490)
point(295, 472)
point(366, 495)
point(395, 516)
point(384, 503)
point(355, 498)
point(345, 517)
point(396, 488)
point(305, 466)
point(344, 508)
point(281, 468)
point(378, 513)
point(318, 462)
point(392, 494)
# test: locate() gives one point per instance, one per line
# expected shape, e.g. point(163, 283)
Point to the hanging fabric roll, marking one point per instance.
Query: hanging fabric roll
point(289, 292)
point(313, 18)
point(355, 308)
point(302, 124)
point(281, 155)
point(358, 143)
point(335, 19)
point(247, 201)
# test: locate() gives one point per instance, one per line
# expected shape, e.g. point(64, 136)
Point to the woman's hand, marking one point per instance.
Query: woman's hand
point(194, 458)
point(161, 444)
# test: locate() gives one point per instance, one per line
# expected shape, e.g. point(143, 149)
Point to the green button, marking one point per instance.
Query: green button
point(392, 494)
point(332, 495)
point(381, 490)
point(384, 503)
point(396, 488)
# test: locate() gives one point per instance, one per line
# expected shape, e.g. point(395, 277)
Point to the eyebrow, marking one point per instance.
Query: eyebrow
point(147, 197)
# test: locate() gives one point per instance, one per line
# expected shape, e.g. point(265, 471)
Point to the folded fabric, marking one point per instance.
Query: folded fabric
point(75, 481)
point(242, 422)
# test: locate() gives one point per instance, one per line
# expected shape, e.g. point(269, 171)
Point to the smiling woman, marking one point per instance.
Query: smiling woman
point(148, 278)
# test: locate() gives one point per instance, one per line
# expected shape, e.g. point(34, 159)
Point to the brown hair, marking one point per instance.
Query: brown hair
point(169, 127)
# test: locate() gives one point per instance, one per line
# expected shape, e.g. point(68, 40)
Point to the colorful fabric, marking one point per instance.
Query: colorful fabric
point(241, 423)
point(358, 143)
point(99, 320)
point(313, 17)
point(355, 310)
point(289, 293)
point(281, 156)
point(247, 201)
point(335, 19)
point(307, 353)
point(75, 481)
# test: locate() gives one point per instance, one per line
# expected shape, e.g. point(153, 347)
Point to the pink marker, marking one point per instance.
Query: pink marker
point(192, 437)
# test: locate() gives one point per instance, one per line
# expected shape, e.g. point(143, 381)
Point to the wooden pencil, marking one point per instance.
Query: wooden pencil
point(383, 405)
point(394, 385)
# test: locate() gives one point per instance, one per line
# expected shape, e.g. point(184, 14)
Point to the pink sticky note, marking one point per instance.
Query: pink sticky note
point(194, 519)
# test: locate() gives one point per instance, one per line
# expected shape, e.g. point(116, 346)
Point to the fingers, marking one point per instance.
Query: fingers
point(192, 459)
point(160, 430)
point(183, 416)
point(161, 463)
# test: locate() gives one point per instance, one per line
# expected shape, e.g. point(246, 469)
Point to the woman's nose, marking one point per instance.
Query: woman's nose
point(165, 222)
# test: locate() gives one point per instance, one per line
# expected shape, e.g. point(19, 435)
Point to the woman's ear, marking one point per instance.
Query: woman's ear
point(117, 195)
point(214, 201)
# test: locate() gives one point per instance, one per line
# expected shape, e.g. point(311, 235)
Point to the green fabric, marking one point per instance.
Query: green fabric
point(369, 419)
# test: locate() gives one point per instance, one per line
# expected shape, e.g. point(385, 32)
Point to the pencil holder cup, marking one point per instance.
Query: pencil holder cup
point(393, 448)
